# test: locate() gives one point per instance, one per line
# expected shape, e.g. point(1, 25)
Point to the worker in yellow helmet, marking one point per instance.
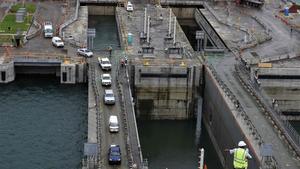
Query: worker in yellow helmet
point(241, 156)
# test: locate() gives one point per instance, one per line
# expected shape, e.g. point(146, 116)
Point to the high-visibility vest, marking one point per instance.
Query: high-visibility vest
point(239, 160)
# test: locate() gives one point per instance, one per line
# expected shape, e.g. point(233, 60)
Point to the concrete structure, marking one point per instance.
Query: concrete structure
point(164, 75)
point(7, 72)
point(70, 70)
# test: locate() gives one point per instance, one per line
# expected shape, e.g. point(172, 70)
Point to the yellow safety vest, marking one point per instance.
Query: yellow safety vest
point(239, 160)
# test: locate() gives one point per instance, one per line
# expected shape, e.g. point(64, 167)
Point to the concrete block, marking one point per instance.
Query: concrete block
point(68, 74)
point(7, 72)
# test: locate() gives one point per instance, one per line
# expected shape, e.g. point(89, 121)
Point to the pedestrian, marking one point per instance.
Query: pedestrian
point(241, 156)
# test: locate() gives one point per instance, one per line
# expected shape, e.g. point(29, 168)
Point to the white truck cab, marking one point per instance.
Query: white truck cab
point(48, 29)
point(113, 124)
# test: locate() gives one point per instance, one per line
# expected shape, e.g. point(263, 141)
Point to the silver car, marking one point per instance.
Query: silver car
point(106, 79)
point(109, 97)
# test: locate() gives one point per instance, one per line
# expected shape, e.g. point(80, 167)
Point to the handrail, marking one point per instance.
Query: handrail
point(69, 22)
point(241, 112)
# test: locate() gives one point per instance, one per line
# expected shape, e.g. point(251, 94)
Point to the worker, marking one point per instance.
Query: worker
point(241, 156)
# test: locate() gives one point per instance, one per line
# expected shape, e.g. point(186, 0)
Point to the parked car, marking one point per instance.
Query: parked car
point(109, 97)
point(57, 42)
point(129, 7)
point(84, 52)
point(104, 63)
point(114, 155)
point(106, 79)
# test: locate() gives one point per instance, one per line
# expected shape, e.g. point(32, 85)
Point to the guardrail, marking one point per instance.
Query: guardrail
point(284, 127)
point(73, 19)
point(243, 115)
point(92, 78)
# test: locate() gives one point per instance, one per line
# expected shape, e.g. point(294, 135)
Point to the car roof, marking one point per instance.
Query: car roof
point(105, 74)
point(114, 147)
point(56, 38)
point(104, 59)
point(109, 91)
point(82, 48)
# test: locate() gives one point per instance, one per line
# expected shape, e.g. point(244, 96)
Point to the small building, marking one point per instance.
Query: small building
point(294, 8)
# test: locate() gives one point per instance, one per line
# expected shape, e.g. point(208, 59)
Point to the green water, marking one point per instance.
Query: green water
point(42, 124)
point(106, 32)
point(171, 144)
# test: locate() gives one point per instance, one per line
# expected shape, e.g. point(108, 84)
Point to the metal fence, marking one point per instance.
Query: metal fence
point(272, 163)
point(288, 131)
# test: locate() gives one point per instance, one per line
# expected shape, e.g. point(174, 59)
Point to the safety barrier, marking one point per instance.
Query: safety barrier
point(243, 115)
point(284, 128)
point(92, 78)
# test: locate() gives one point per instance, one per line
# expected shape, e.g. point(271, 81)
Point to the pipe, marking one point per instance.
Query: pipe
point(170, 22)
point(148, 30)
point(174, 38)
point(145, 21)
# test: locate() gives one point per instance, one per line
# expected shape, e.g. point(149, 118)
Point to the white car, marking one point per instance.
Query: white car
point(104, 63)
point(129, 7)
point(106, 79)
point(84, 52)
point(57, 42)
point(109, 97)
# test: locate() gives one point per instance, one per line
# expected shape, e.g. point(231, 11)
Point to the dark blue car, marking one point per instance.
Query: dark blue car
point(114, 155)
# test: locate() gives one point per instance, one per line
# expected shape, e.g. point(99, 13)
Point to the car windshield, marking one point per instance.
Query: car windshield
point(48, 30)
point(109, 95)
point(58, 40)
point(105, 62)
point(87, 50)
point(129, 5)
point(106, 77)
point(114, 153)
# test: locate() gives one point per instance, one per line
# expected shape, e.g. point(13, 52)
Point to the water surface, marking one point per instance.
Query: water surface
point(42, 124)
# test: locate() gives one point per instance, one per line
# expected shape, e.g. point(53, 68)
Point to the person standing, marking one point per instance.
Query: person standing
point(241, 156)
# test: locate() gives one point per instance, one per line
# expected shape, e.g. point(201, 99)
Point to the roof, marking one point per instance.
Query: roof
point(109, 91)
point(113, 118)
point(106, 75)
point(104, 59)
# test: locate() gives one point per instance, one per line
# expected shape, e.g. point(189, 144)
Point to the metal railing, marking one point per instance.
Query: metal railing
point(253, 132)
point(288, 131)
point(92, 78)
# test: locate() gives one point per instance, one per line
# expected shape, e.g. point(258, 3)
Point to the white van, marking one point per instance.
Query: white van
point(113, 124)
point(48, 29)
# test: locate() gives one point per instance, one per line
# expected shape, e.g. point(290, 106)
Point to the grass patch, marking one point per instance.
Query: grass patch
point(5, 39)
point(9, 25)
point(30, 7)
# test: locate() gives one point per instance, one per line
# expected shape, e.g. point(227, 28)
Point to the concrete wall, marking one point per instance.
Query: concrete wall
point(279, 71)
point(158, 95)
point(221, 124)
point(101, 10)
point(184, 13)
point(42, 70)
point(81, 73)
point(7, 72)
point(68, 74)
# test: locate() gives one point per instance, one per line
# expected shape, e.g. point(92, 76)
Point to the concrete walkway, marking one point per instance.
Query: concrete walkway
point(225, 68)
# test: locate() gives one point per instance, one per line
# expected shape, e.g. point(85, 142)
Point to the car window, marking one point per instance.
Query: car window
point(114, 153)
point(109, 95)
point(106, 77)
point(105, 62)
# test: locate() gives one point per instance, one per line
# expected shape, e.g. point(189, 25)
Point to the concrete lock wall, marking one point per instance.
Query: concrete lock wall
point(184, 13)
point(68, 74)
point(164, 92)
point(81, 73)
point(221, 125)
point(7, 72)
point(101, 10)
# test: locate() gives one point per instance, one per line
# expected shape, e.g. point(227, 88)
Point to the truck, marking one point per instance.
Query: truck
point(48, 29)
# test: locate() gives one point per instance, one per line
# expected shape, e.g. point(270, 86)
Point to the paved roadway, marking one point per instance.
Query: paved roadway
point(283, 41)
point(106, 137)
point(46, 11)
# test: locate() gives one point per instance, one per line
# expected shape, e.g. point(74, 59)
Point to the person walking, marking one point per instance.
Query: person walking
point(241, 156)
